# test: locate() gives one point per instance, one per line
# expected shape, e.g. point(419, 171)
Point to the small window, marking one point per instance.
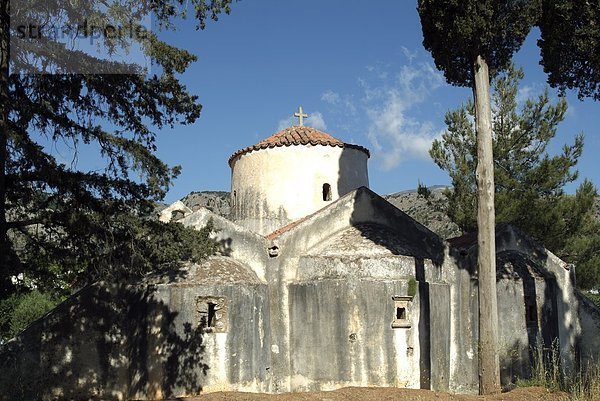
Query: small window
point(401, 312)
point(531, 313)
point(212, 321)
point(326, 192)
point(234, 200)
point(212, 314)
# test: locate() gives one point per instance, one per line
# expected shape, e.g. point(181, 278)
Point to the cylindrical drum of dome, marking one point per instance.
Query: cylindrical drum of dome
point(291, 175)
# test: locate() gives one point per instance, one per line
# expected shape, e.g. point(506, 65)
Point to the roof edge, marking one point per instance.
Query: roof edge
point(296, 140)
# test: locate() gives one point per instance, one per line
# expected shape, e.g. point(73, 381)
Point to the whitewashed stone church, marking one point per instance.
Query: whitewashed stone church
point(319, 284)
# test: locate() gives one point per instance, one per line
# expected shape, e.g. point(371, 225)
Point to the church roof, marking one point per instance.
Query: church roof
point(214, 270)
point(370, 239)
point(298, 135)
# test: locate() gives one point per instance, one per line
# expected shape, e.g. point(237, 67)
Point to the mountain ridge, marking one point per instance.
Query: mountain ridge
point(429, 211)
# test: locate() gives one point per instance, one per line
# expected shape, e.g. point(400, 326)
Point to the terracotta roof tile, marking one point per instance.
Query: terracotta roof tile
point(297, 135)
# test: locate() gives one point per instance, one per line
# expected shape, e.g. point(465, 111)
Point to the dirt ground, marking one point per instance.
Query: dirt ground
point(384, 394)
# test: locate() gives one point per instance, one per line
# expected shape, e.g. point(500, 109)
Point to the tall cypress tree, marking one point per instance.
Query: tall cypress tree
point(570, 45)
point(469, 40)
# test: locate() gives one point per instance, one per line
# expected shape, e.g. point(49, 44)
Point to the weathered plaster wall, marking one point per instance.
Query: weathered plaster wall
point(239, 358)
point(234, 241)
point(364, 207)
point(463, 328)
point(143, 341)
point(590, 330)
point(335, 275)
point(524, 269)
point(558, 295)
point(513, 337)
point(273, 187)
point(341, 335)
point(309, 307)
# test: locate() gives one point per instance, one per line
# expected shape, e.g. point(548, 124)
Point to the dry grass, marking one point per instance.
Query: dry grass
point(586, 385)
point(583, 385)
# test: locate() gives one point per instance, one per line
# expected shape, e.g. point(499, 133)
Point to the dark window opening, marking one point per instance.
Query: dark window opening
point(326, 192)
point(212, 320)
point(234, 198)
point(212, 314)
point(401, 310)
point(531, 314)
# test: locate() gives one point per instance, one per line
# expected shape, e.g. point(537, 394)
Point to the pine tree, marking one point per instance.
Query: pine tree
point(529, 182)
point(64, 226)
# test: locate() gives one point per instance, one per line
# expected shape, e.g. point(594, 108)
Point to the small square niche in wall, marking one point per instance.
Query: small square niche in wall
point(402, 306)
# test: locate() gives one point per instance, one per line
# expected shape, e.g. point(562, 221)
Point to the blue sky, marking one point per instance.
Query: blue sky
point(358, 68)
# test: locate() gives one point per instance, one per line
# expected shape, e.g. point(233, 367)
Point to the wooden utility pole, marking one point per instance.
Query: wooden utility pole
point(4, 104)
point(489, 366)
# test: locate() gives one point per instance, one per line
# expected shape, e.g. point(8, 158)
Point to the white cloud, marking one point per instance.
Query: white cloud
point(330, 97)
point(316, 120)
point(408, 54)
point(571, 111)
point(341, 105)
point(394, 132)
point(286, 122)
point(526, 92)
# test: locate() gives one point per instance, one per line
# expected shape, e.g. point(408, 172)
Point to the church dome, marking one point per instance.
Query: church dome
point(297, 135)
point(291, 174)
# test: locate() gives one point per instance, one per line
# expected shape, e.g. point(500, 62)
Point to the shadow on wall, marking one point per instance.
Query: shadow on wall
point(536, 309)
point(535, 322)
point(350, 176)
point(105, 342)
point(385, 225)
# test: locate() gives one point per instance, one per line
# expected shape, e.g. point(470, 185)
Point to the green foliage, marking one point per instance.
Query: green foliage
point(20, 310)
point(457, 31)
point(412, 287)
point(570, 45)
point(423, 190)
point(595, 298)
point(529, 182)
point(64, 226)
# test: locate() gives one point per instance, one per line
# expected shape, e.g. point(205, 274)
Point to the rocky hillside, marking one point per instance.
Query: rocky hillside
point(215, 201)
point(428, 211)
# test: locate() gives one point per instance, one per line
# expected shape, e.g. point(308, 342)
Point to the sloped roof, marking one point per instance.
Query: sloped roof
point(362, 219)
point(214, 270)
point(368, 239)
point(297, 135)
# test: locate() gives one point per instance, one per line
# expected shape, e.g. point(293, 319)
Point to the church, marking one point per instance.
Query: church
point(319, 283)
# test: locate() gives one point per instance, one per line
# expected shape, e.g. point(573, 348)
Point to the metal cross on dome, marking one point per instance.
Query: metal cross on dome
point(300, 115)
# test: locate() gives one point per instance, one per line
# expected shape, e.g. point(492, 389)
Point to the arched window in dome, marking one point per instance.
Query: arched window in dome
point(326, 192)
